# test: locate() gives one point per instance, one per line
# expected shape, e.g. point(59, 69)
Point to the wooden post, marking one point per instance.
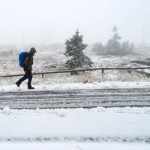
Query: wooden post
point(74, 73)
point(102, 71)
point(42, 75)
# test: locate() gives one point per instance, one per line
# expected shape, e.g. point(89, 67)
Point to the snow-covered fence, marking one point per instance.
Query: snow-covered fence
point(80, 70)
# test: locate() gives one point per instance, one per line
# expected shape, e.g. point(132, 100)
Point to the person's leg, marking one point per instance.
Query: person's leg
point(30, 80)
point(22, 79)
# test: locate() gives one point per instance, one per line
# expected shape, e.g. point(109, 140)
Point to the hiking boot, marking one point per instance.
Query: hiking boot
point(31, 88)
point(17, 84)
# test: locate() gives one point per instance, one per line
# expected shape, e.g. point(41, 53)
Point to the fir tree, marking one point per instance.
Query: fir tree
point(74, 50)
point(99, 49)
point(114, 46)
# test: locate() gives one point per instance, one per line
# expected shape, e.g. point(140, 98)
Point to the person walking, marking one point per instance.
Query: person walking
point(28, 62)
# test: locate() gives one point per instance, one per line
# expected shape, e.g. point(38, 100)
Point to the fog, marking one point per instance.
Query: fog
point(46, 22)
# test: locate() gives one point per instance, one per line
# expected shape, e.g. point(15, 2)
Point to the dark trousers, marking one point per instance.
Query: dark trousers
point(28, 75)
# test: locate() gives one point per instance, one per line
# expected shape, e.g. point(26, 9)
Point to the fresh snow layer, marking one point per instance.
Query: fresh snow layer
point(74, 146)
point(100, 124)
point(69, 86)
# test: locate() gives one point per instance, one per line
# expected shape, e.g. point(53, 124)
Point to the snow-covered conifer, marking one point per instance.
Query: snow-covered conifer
point(74, 50)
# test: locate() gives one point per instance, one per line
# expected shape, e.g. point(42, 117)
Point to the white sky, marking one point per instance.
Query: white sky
point(54, 21)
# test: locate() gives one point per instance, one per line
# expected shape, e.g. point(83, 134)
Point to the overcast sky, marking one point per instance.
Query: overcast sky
point(54, 21)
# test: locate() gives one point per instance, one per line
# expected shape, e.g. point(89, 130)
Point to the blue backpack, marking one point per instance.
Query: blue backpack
point(22, 57)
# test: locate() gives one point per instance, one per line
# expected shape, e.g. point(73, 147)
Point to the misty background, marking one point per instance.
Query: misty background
point(46, 22)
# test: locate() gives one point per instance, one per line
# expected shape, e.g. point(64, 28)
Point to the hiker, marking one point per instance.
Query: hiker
point(28, 62)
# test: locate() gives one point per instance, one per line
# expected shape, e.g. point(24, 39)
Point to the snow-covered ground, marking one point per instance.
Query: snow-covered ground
point(74, 146)
point(69, 86)
point(99, 124)
point(119, 128)
point(74, 129)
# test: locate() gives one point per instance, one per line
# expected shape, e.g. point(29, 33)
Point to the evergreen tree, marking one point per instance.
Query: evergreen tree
point(128, 48)
point(74, 50)
point(114, 46)
point(99, 49)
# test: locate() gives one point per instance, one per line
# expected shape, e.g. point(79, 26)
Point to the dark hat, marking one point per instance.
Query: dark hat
point(33, 50)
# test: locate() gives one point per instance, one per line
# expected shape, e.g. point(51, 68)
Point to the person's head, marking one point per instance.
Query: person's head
point(32, 51)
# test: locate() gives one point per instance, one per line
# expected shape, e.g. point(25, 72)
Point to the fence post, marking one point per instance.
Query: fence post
point(102, 71)
point(42, 75)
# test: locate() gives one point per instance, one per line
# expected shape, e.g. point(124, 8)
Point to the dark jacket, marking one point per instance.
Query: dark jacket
point(28, 62)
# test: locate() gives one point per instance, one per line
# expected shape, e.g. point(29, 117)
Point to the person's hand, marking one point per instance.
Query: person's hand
point(25, 71)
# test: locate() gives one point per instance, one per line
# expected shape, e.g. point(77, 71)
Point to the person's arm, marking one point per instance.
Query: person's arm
point(26, 61)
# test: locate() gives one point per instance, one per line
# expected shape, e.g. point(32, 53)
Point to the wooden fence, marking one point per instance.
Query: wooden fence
point(80, 70)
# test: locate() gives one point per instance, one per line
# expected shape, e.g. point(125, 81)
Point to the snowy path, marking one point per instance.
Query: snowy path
point(73, 146)
point(78, 125)
point(76, 98)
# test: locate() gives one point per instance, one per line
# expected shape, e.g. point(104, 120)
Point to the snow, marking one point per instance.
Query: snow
point(128, 126)
point(74, 129)
point(69, 86)
point(98, 123)
point(73, 146)
point(147, 70)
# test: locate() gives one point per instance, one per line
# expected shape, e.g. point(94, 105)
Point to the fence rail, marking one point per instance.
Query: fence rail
point(75, 71)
